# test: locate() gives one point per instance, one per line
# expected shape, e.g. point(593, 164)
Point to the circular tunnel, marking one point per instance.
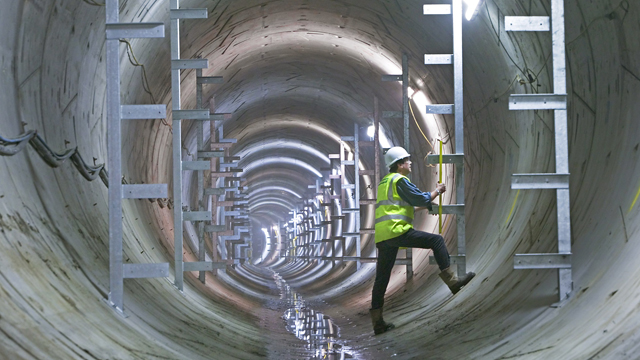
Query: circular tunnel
point(298, 75)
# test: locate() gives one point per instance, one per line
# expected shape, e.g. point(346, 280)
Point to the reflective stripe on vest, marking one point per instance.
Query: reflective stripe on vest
point(394, 216)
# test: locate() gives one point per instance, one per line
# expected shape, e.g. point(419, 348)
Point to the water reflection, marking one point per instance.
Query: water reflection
point(317, 329)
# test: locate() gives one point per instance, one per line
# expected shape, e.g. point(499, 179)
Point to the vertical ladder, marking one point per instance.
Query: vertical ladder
point(404, 114)
point(560, 179)
point(177, 64)
point(115, 30)
point(456, 109)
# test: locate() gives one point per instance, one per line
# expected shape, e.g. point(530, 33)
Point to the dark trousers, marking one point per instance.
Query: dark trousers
point(388, 250)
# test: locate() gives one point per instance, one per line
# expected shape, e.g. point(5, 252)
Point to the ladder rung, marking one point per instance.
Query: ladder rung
point(199, 114)
point(457, 209)
point(446, 159)
point(347, 162)
point(203, 265)
point(210, 154)
point(540, 181)
point(527, 23)
point(439, 59)
point(334, 156)
point(335, 176)
point(388, 77)
point(215, 228)
point(220, 116)
point(196, 165)
point(183, 64)
point(138, 271)
point(538, 102)
point(224, 145)
point(347, 138)
point(214, 191)
point(196, 215)
point(189, 13)
point(440, 109)
point(134, 30)
point(209, 80)
point(128, 112)
point(366, 172)
point(542, 261)
point(145, 191)
point(236, 170)
point(436, 9)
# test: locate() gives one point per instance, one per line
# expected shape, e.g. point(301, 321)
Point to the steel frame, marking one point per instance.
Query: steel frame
point(115, 114)
point(560, 179)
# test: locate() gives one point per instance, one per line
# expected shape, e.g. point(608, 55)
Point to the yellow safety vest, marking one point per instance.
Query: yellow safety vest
point(394, 216)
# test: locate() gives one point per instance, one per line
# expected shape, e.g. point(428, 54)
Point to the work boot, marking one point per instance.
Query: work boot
point(379, 326)
point(453, 282)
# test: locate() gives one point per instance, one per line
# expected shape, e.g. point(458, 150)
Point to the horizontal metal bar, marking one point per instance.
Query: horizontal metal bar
point(391, 77)
point(214, 191)
point(540, 181)
point(352, 234)
point(196, 165)
point(139, 271)
point(210, 154)
point(145, 191)
point(228, 164)
point(189, 13)
point(440, 109)
point(196, 216)
point(347, 162)
point(438, 59)
point(221, 145)
point(233, 213)
point(129, 112)
point(436, 9)
point(527, 23)
point(542, 261)
point(220, 117)
point(215, 228)
point(183, 64)
point(229, 237)
point(134, 30)
point(203, 265)
point(335, 176)
point(392, 114)
point(538, 102)
point(347, 138)
point(222, 175)
point(209, 80)
point(200, 114)
point(229, 140)
point(454, 260)
point(446, 159)
point(334, 156)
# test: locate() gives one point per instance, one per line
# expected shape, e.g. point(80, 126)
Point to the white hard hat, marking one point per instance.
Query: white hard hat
point(394, 154)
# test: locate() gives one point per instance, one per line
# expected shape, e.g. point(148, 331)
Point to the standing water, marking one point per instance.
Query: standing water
point(317, 329)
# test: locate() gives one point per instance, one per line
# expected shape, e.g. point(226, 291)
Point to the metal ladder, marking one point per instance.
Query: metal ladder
point(115, 30)
point(404, 115)
point(179, 215)
point(456, 109)
point(560, 179)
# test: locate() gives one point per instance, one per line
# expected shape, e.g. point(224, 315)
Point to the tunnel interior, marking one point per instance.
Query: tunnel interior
point(298, 75)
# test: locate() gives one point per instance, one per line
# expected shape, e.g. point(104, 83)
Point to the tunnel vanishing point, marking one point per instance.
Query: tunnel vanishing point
point(297, 76)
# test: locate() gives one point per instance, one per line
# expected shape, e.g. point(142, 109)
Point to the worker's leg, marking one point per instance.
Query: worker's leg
point(424, 240)
point(386, 260)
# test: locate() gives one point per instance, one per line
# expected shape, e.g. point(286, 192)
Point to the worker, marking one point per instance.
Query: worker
point(397, 197)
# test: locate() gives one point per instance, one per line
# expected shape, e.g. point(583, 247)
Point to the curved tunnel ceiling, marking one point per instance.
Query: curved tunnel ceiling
point(298, 75)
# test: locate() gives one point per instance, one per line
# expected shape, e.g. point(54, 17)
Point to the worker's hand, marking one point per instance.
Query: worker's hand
point(441, 188)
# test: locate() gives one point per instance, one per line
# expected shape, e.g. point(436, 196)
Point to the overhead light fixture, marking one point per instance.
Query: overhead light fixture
point(473, 6)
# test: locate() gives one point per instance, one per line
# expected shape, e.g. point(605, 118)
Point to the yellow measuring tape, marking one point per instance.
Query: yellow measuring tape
point(440, 202)
point(634, 201)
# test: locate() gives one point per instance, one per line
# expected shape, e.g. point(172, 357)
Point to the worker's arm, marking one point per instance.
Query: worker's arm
point(412, 195)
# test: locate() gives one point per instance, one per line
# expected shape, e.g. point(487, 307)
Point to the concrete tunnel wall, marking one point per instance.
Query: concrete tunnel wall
point(300, 72)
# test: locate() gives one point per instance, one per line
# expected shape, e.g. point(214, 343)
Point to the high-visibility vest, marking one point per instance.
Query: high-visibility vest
point(394, 216)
